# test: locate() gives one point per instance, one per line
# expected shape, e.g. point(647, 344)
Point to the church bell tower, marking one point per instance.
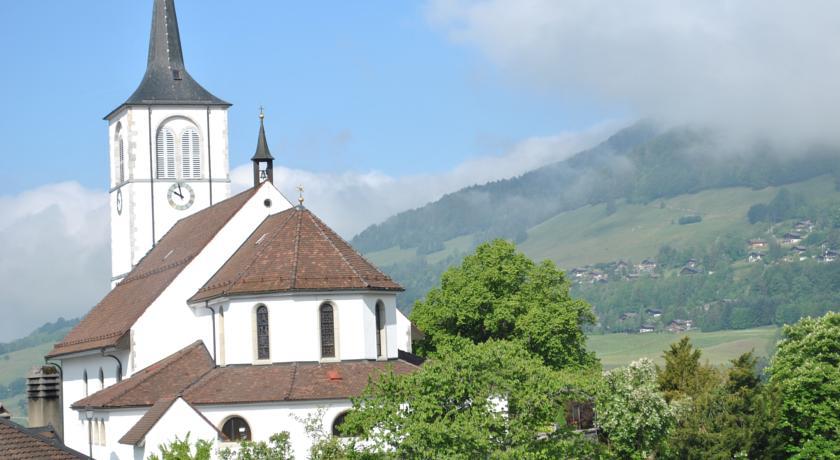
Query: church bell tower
point(168, 149)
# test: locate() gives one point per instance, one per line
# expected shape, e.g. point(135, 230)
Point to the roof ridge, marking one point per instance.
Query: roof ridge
point(250, 264)
point(340, 253)
point(131, 383)
point(296, 252)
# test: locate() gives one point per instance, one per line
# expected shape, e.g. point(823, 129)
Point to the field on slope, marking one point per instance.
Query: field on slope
point(14, 366)
point(590, 235)
point(718, 347)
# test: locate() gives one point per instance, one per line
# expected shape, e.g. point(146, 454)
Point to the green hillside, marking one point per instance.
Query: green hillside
point(19, 356)
point(718, 347)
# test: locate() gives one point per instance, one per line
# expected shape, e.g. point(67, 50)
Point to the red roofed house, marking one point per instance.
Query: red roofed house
point(230, 317)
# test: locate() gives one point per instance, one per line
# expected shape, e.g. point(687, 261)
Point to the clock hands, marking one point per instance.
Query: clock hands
point(179, 193)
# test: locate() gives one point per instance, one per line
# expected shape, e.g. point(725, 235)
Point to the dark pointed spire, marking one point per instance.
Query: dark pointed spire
point(262, 152)
point(262, 159)
point(166, 80)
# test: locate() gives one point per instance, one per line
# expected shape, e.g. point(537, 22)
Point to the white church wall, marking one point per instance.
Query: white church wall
point(131, 231)
point(178, 421)
point(294, 326)
point(116, 424)
point(403, 332)
point(270, 418)
point(73, 389)
point(169, 324)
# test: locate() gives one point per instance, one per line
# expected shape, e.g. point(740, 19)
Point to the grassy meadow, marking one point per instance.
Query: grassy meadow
point(718, 347)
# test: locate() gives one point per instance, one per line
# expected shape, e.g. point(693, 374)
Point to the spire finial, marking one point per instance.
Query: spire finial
point(262, 113)
point(300, 192)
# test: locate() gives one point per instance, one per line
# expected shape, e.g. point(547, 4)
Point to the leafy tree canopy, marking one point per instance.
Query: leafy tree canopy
point(806, 373)
point(486, 400)
point(499, 293)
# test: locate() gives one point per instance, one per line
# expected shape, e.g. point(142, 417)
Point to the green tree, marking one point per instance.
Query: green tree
point(277, 448)
point(182, 449)
point(499, 293)
point(683, 375)
point(486, 400)
point(806, 373)
point(633, 414)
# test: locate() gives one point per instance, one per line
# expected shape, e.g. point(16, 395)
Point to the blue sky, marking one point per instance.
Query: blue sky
point(378, 106)
point(361, 86)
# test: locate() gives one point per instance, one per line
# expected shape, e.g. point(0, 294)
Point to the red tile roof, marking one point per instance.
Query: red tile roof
point(294, 251)
point(148, 421)
point(290, 381)
point(164, 379)
point(190, 373)
point(19, 443)
point(112, 318)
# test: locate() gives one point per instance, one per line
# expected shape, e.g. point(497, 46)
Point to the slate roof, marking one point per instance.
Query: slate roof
point(19, 443)
point(294, 251)
point(112, 318)
point(166, 81)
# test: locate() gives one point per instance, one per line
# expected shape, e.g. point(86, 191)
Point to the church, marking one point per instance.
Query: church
point(230, 317)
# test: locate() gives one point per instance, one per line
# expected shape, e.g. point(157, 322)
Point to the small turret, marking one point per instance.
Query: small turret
point(43, 389)
point(262, 159)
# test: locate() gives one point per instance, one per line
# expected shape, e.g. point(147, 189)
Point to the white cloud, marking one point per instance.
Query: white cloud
point(764, 66)
point(56, 245)
point(349, 202)
point(55, 258)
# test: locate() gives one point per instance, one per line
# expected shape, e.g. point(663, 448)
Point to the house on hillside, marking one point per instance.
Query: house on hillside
point(653, 312)
point(647, 265)
point(798, 252)
point(597, 276)
point(628, 315)
point(687, 271)
point(645, 328)
point(805, 226)
point(791, 238)
point(830, 255)
point(756, 244)
point(692, 263)
point(754, 257)
point(577, 272)
point(680, 325)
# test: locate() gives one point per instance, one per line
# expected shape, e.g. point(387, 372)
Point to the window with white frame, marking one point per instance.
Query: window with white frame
point(178, 150)
point(327, 314)
point(263, 351)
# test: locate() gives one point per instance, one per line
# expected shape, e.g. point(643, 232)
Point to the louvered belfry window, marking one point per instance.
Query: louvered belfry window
point(165, 154)
point(190, 154)
point(122, 161)
point(262, 333)
point(327, 331)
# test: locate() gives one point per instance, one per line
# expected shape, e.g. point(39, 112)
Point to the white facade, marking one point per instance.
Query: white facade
point(142, 207)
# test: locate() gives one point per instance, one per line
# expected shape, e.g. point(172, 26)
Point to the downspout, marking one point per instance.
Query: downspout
point(60, 392)
point(209, 165)
point(151, 179)
point(212, 320)
point(119, 363)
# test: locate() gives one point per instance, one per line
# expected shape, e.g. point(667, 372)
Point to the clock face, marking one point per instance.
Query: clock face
point(181, 196)
point(119, 202)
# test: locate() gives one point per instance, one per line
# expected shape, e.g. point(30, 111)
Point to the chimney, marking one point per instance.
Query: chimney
point(4, 414)
point(43, 389)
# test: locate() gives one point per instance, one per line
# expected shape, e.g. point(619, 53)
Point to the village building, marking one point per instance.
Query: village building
point(653, 312)
point(647, 265)
point(680, 325)
point(757, 244)
point(791, 238)
point(645, 328)
point(754, 257)
point(805, 226)
point(687, 271)
point(230, 317)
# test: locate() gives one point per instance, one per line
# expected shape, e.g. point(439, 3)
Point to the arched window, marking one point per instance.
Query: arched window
point(85, 379)
point(263, 351)
point(380, 329)
point(336, 426)
point(237, 429)
point(327, 331)
point(165, 154)
point(101, 379)
point(190, 154)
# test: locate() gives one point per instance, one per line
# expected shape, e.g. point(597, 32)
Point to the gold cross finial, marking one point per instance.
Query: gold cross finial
point(300, 197)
